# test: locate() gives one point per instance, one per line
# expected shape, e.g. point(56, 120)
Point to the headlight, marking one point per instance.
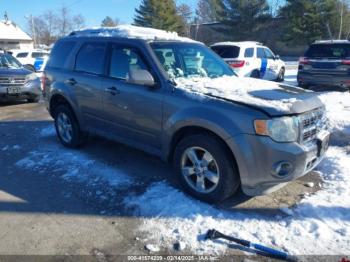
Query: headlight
point(31, 77)
point(284, 129)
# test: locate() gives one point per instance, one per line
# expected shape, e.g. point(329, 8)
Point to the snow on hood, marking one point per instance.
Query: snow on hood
point(272, 97)
point(130, 31)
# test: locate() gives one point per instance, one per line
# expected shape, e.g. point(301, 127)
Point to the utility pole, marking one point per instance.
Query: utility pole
point(31, 19)
point(33, 30)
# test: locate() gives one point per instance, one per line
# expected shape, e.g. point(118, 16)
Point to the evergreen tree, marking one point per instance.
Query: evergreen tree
point(209, 11)
point(244, 18)
point(159, 14)
point(109, 22)
point(310, 20)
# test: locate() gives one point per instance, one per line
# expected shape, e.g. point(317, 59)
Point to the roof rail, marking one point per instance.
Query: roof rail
point(330, 41)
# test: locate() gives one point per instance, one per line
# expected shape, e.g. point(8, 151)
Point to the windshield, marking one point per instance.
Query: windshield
point(336, 51)
point(189, 60)
point(8, 61)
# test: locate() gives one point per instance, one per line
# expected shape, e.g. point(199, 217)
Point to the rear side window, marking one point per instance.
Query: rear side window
point(249, 52)
point(60, 54)
point(328, 51)
point(38, 54)
point(90, 58)
point(22, 55)
point(227, 51)
point(260, 53)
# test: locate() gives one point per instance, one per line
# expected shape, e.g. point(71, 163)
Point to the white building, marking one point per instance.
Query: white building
point(12, 37)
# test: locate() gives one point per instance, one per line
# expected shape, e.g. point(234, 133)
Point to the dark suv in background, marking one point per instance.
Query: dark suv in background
point(326, 63)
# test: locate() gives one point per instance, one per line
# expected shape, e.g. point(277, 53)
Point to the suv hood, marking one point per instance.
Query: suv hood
point(14, 72)
point(272, 98)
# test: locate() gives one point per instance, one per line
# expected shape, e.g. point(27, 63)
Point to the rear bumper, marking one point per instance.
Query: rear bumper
point(31, 89)
point(257, 157)
point(324, 79)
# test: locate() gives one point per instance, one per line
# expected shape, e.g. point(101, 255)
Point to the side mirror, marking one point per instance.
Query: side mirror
point(141, 77)
point(277, 57)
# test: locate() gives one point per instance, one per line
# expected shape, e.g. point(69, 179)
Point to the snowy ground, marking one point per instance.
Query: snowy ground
point(319, 224)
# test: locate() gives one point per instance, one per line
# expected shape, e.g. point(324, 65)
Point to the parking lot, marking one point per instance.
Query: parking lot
point(107, 199)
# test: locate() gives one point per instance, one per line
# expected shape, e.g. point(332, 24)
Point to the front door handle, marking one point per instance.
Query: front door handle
point(112, 90)
point(71, 82)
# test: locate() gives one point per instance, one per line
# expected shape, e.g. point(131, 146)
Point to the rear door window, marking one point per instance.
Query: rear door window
point(333, 51)
point(249, 52)
point(38, 54)
point(124, 59)
point(60, 54)
point(260, 52)
point(90, 58)
point(227, 51)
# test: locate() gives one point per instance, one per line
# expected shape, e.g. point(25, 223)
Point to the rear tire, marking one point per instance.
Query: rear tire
point(303, 85)
point(255, 74)
point(67, 127)
point(214, 176)
point(280, 77)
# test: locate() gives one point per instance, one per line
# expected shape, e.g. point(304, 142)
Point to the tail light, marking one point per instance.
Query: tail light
point(304, 61)
point(346, 62)
point(236, 63)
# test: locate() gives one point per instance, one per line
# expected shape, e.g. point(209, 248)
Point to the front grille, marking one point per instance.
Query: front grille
point(311, 124)
point(12, 81)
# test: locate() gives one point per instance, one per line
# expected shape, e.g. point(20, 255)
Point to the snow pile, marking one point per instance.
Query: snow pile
point(338, 113)
point(130, 31)
point(318, 225)
point(240, 89)
point(74, 166)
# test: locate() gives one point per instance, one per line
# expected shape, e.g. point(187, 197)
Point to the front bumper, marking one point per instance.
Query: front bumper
point(340, 80)
point(257, 156)
point(30, 89)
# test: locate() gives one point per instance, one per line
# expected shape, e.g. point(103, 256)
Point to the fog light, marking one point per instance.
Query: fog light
point(282, 169)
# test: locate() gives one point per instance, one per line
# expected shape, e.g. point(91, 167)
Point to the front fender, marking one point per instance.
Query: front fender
point(211, 120)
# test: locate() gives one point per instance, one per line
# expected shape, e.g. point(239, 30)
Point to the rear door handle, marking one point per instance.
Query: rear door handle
point(112, 90)
point(71, 82)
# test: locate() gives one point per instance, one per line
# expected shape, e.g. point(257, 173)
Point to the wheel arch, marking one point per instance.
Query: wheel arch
point(186, 131)
point(58, 99)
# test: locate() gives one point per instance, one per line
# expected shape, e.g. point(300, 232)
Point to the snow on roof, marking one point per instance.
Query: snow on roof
point(241, 89)
point(10, 31)
point(242, 43)
point(130, 31)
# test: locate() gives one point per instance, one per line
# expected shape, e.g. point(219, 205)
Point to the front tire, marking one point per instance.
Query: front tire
point(67, 127)
point(206, 168)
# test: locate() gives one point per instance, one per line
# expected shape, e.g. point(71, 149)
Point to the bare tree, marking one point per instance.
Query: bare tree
point(109, 22)
point(185, 12)
point(78, 22)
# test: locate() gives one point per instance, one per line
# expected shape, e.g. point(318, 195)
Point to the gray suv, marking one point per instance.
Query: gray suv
point(141, 92)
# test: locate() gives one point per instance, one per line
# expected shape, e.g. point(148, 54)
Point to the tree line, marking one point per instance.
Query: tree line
point(300, 21)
